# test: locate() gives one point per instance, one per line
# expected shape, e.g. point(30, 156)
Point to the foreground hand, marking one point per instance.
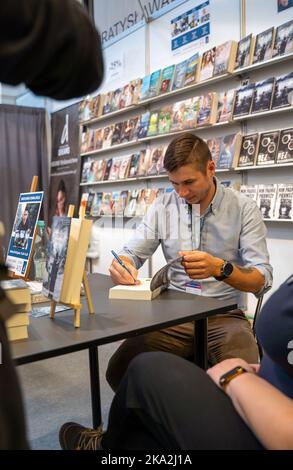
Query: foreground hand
point(200, 265)
point(218, 370)
point(119, 275)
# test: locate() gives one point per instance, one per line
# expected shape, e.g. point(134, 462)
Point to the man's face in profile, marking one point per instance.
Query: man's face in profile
point(24, 217)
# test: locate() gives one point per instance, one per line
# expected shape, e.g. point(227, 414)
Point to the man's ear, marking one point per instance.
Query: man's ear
point(211, 168)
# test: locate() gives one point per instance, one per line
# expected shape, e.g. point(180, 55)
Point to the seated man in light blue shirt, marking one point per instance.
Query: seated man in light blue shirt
point(221, 236)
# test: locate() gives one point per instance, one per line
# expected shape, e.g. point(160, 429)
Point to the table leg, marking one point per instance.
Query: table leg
point(95, 386)
point(201, 343)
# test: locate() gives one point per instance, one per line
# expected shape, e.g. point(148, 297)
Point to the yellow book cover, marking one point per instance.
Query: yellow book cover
point(18, 293)
point(19, 319)
point(17, 332)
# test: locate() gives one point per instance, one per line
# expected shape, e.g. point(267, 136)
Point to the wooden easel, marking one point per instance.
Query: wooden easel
point(33, 189)
point(76, 306)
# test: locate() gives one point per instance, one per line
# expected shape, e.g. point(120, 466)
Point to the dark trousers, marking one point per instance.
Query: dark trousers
point(12, 424)
point(229, 335)
point(167, 403)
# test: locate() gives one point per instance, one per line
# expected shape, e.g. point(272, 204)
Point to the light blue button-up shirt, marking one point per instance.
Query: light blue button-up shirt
point(231, 228)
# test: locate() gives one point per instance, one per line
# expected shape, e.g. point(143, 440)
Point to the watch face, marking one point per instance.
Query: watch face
point(228, 269)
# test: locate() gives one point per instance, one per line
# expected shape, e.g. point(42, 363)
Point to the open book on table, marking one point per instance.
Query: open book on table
point(148, 288)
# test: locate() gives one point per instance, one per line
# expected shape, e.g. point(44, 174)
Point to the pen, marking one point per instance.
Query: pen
point(122, 264)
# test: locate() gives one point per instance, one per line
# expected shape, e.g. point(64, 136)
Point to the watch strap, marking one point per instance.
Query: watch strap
point(230, 375)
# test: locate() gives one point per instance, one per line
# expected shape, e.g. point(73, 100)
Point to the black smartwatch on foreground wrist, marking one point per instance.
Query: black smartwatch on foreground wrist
point(226, 271)
point(230, 375)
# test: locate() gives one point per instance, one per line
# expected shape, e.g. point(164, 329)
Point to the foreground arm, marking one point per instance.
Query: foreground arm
point(266, 411)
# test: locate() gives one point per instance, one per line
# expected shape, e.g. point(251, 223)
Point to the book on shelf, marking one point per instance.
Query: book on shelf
point(165, 120)
point(114, 172)
point(108, 169)
point(243, 100)
point(116, 137)
point(266, 199)
point(99, 137)
point(190, 113)
point(161, 169)
point(124, 167)
point(84, 110)
point(94, 106)
point(215, 147)
point(285, 148)
point(115, 199)
point(192, 70)
point(127, 131)
point(154, 161)
point(167, 79)
point(225, 58)
point(135, 90)
point(133, 165)
point(107, 137)
point(179, 75)
point(101, 105)
point(17, 292)
point(130, 208)
point(207, 112)
point(107, 102)
point(225, 105)
point(283, 43)
point(284, 202)
point(268, 147)
point(86, 167)
point(262, 96)
point(83, 201)
point(143, 162)
point(106, 204)
point(178, 116)
point(90, 140)
point(99, 169)
point(249, 191)
point(207, 64)
point(145, 86)
point(145, 199)
point(283, 93)
point(153, 123)
point(83, 141)
point(229, 151)
point(97, 204)
point(146, 289)
point(121, 203)
point(248, 150)
point(244, 53)
point(143, 124)
point(263, 46)
point(89, 203)
point(154, 83)
point(127, 95)
point(115, 104)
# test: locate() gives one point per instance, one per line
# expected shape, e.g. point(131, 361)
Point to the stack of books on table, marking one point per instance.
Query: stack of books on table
point(18, 293)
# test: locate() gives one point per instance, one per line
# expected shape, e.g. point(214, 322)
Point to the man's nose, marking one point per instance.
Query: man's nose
point(183, 192)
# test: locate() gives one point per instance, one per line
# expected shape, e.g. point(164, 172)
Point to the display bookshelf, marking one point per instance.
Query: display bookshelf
point(241, 123)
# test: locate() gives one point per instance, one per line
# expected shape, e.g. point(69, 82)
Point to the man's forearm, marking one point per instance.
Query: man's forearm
point(246, 279)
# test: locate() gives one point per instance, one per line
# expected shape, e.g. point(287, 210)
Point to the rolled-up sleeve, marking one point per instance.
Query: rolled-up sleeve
point(145, 239)
point(253, 245)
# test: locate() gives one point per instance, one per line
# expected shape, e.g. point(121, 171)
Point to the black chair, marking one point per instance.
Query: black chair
point(256, 313)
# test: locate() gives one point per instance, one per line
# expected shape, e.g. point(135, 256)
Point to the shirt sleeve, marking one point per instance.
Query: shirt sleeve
point(50, 45)
point(145, 239)
point(253, 245)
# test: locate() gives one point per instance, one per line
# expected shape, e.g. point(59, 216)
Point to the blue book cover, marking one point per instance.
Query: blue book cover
point(179, 75)
point(145, 86)
point(155, 83)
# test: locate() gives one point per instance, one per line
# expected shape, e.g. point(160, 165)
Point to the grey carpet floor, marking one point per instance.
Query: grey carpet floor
point(58, 390)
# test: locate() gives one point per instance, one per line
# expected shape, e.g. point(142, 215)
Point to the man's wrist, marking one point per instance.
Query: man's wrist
point(218, 265)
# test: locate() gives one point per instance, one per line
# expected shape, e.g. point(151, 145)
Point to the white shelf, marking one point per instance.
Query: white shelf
point(132, 143)
point(263, 113)
point(261, 167)
point(139, 178)
point(104, 117)
point(260, 65)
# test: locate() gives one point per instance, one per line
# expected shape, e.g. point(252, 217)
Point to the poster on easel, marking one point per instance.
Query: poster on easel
point(23, 233)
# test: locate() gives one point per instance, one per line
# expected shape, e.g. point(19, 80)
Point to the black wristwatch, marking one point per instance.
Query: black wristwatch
point(231, 374)
point(226, 271)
